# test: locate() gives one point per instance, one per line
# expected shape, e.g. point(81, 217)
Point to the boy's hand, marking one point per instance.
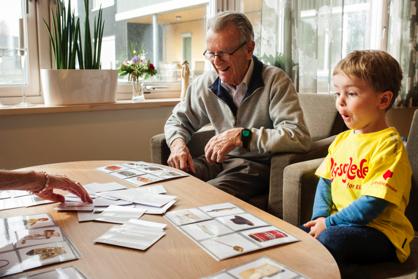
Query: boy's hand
point(317, 226)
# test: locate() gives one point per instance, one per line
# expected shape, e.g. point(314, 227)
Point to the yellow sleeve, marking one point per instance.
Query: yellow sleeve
point(389, 174)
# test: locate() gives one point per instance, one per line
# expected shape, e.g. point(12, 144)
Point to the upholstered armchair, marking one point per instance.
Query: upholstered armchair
point(323, 123)
point(299, 185)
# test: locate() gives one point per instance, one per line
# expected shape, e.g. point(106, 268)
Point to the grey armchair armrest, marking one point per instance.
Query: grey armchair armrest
point(277, 197)
point(299, 186)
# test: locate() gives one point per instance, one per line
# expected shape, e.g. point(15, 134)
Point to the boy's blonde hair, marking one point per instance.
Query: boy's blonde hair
point(377, 67)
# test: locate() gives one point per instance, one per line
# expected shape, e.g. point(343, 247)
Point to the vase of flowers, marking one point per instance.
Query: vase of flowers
point(138, 68)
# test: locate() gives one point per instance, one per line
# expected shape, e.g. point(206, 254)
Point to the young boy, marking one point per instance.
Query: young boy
point(365, 180)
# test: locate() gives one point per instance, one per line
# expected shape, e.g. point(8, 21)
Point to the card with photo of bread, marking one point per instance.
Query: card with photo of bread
point(31, 237)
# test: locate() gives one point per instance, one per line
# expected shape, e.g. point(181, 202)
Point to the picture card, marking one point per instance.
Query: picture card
point(126, 173)
point(241, 221)
point(206, 229)
point(75, 206)
point(220, 275)
point(269, 236)
point(142, 197)
point(227, 246)
point(38, 221)
point(70, 272)
point(40, 255)
point(32, 237)
point(112, 168)
point(9, 263)
point(264, 267)
point(187, 216)
point(221, 209)
point(143, 179)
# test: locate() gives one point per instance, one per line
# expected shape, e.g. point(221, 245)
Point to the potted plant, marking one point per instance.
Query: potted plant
point(77, 78)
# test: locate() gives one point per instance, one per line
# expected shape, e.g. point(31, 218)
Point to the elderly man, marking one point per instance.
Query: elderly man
point(253, 108)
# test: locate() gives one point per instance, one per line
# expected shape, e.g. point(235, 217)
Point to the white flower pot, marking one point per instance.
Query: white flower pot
point(68, 87)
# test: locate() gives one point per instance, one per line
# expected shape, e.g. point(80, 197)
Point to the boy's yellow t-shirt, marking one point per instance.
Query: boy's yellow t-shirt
point(372, 164)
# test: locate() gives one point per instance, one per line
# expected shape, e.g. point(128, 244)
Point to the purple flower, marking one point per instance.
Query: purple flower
point(135, 59)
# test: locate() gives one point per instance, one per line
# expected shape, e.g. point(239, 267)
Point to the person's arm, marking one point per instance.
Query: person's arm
point(289, 132)
point(360, 212)
point(42, 184)
point(323, 200)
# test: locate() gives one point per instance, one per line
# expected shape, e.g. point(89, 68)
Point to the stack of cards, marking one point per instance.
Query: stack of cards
point(225, 230)
point(263, 267)
point(142, 173)
point(14, 199)
point(147, 199)
point(136, 234)
point(32, 241)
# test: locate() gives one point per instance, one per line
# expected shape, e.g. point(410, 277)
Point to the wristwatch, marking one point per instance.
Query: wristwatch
point(246, 138)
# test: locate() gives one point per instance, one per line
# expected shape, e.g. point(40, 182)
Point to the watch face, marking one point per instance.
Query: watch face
point(246, 133)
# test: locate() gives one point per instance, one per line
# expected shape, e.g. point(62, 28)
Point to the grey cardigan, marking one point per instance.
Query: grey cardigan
point(270, 109)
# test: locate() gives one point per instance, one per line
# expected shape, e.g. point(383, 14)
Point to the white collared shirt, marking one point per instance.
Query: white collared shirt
point(237, 93)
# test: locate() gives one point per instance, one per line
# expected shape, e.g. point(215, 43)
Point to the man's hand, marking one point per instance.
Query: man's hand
point(317, 226)
point(180, 157)
point(220, 145)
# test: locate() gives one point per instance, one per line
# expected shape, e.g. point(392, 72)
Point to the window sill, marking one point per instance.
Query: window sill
point(119, 105)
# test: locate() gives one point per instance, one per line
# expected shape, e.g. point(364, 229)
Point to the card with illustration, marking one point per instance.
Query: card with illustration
point(221, 209)
point(240, 222)
point(9, 263)
point(263, 268)
point(75, 206)
point(38, 221)
point(220, 275)
point(39, 255)
point(112, 168)
point(143, 179)
point(269, 236)
point(31, 237)
point(127, 173)
point(227, 246)
point(206, 229)
point(187, 216)
point(70, 272)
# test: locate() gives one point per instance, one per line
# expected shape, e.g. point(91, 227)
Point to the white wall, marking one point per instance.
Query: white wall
point(27, 140)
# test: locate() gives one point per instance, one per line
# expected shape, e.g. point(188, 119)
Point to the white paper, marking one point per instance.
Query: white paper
point(119, 214)
point(75, 206)
point(156, 225)
point(137, 195)
point(103, 187)
point(102, 202)
point(131, 236)
point(154, 209)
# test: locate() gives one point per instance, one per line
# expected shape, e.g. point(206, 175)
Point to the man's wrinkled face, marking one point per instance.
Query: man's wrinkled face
point(231, 68)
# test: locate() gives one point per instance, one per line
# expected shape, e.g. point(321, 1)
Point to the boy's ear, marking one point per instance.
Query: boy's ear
point(385, 99)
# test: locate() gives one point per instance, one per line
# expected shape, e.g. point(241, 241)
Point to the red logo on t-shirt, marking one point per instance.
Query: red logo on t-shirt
point(387, 174)
point(350, 169)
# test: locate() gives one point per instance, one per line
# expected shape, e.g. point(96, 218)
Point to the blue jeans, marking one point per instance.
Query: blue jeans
point(357, 245)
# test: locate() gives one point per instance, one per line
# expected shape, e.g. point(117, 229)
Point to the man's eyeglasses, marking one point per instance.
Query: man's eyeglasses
point(225, 56)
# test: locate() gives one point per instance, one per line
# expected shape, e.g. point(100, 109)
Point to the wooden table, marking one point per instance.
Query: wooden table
point(175, 255)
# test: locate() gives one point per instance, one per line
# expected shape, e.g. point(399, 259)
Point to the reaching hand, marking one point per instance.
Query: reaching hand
point(180, 157)
point(317, 226)
point(220, 145)
point(62, 183)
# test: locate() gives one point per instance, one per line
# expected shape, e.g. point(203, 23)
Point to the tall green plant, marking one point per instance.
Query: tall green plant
point(66, 42)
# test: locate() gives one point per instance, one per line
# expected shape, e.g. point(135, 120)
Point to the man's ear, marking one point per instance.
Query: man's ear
point(250, 49)
point(385, 99)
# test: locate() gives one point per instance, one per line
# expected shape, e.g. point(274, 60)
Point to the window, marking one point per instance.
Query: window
point(18, 50)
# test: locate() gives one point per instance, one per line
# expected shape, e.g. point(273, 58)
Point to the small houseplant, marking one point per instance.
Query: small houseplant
point(78, 77)
point(137, 68)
